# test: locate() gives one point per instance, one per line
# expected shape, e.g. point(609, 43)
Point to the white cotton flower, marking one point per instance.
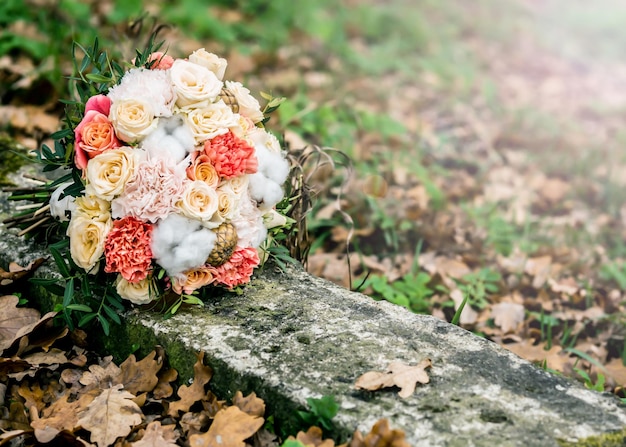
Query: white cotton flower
point(264, 191)
point(59, 207)
point(179, 244)
point(151, 86)
point(271, 164)
point(172, 140)
point(251, 231)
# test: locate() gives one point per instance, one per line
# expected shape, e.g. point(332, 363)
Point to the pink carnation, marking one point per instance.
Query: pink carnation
point(152, 193)
point(230, 155)
point(127, 249)
point(238, 269)
point(94, 134)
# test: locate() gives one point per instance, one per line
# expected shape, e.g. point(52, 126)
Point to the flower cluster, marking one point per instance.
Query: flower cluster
point(180, 175)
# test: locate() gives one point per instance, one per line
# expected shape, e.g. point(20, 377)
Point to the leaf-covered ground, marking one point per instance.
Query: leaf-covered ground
point(485, 149)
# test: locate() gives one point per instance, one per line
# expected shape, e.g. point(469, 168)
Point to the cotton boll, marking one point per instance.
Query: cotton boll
point(179, 243)
point(272, 164)
point(58, 206)
point(172, 140)
point(264, 191)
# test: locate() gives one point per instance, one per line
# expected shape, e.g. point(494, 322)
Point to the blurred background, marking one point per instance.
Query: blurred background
point(453, 151)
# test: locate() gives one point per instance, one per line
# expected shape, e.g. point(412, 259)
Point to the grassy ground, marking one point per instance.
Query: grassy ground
point(484, 148)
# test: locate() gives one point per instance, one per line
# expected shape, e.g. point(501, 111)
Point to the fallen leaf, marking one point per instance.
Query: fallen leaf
point(507, 316)
point(164, 388)
point(104, 373)
point(398, 374)
point(380, 435)
point(13, 319)
point(313, 437)
point(110, 415)
point(250, 404)
point(157, 435)
point(139, 376)
point(194, 392)
point(230, 428)
point(61, 415)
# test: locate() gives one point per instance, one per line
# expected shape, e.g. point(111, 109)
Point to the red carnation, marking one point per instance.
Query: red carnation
point(231, 156)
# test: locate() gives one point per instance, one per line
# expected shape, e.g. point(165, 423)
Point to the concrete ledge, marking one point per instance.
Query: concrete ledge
point(292, 336)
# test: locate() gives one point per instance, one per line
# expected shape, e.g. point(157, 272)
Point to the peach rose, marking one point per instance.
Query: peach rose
point(202, 169)
point(193, 279)
point(93, 135)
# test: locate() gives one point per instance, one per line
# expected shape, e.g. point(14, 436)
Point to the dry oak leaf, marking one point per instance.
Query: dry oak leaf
point(380, 436)
point(313, 438)
point(230, 428)
point(157, 435)
point(507, 315)
point(60, 415)
point(164, 388)
point(139, 376)
point(398, 374)
point(110, 415)
point(13, 319)
point(101, 375)
point(250, 404)
point(17, 272)
point(194, 392)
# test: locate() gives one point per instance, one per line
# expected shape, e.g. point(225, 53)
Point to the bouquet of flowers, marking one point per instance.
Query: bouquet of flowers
point(174, 179)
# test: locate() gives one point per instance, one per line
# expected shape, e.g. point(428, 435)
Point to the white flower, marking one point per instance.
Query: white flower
point(59, 207)
point(194, 85)
point(87, 238)
point(248, 105)
point(199, 201)
point(238, 185)
point(108, 173)
point(264, 191)
point(133, 119)
point(151, 86)
point(93, 208)
point(172, 140)
point(179, 244)
point(211, 121)
point(249, 224)
point(138, 293)
point(209, 60)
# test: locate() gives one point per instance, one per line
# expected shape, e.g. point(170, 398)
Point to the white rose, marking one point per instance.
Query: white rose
point(137, 293)
point(94, 208)
point(227, 205)
point(199, 201)
point(133, 119)
point(108, 173)
point(87, 239)
point(248, 105)
point(237, 185)
point(209, 60)
point(194, 85)
point(211, 121)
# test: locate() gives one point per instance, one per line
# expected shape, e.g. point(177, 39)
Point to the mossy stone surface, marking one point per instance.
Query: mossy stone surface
point(291, 336)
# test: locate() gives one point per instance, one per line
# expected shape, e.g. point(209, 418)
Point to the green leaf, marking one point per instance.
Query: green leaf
point(79, 307)
point(112, 314)
point(86, 319)
point(60, 261)
point(106, 327)
point(68, 295)
point(99, 78)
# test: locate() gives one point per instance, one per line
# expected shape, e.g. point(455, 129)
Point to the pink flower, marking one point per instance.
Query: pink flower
point(238, 269)
point(202, 169)
point(158, 61)
point(193, 279)
point(93, 135)
point(99, 103)
point(127, 249)
point(152, 193)
point(230, 155)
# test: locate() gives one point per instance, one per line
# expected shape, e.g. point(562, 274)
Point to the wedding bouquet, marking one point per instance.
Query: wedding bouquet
point(175, 180)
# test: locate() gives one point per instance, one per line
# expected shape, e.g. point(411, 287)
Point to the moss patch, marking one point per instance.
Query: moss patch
point(615, 439)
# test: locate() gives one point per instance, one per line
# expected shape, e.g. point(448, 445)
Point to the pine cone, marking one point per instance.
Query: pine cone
point(229, 99)
point(224, 245)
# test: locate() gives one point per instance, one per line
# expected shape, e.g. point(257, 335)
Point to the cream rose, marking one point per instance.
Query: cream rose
point(108, 173)
point(248, 105)
point(133, 119)
point(94, 208)
point(261, 137)
point(193, 279)
point(209, 60)
point(136, 293)
point(87, 237)
point(199, 201)
point(237, 185)
point(195, 86)
point(227, 205)
point(211, 121)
